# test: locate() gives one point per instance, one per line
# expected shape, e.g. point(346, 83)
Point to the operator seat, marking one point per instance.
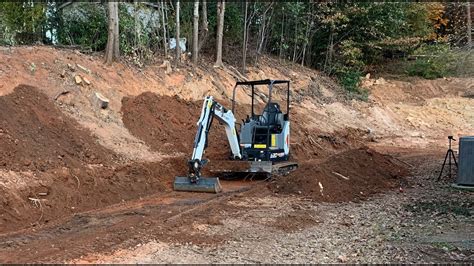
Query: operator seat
point(272, 115)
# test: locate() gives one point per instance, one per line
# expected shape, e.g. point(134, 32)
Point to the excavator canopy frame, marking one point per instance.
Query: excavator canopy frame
point(269, 83)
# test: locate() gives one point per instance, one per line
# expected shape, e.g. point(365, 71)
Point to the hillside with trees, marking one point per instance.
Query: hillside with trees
point(332, 121)
point(344, 40)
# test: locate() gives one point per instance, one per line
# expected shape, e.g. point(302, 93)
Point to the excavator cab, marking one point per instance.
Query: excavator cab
point(265, 137)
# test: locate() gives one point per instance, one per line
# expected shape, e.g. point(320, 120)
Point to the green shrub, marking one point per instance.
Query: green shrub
point(22, 21)
point(433, 61)
point(84, 24)
point(350, 80)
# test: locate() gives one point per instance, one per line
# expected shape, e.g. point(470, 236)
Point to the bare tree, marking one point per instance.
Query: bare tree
point(280, 55)
point(244, 48)
point(112, 51)
point(307, 34)
point(196, 32)
point(262, 31)
point(469, 25)
point(220, 31)
point(178, 48)
point(204, 26)
point(247, 22)
point(165, 45)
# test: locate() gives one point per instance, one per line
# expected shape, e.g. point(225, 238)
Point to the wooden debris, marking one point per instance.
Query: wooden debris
point(83, 68)
point(61, 94)
point(86, 81)
point(166, 64)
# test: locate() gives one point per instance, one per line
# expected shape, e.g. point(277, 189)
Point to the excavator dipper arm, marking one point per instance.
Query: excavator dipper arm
point(211, 109)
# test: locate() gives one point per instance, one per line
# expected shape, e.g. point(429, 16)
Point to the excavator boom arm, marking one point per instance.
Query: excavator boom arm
point(212, 109)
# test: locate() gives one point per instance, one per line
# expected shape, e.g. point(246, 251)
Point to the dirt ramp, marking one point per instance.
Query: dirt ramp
point(351, 175)
point(35, 135)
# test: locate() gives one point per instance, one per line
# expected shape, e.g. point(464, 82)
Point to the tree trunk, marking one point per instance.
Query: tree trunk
point(165, 39)
point(281, 37)
point(469, 25)
point(116, 32)
point(262, 30)
point(112, 51)
point(135, 21)
point(308, 29)
point(296, 42)
point(178, 49)
point(220, 32)
point(204, 26)
point(196, 31)
point(244, 48)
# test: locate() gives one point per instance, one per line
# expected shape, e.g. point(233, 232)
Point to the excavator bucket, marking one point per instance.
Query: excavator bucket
point(204, 184)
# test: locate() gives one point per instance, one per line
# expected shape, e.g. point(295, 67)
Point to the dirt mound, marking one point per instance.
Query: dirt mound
point(35, 135)
point(50, 167)
point(347, 176)
point(168, 124)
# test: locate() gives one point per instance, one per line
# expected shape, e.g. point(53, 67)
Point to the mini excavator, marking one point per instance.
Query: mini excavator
point(262, 139)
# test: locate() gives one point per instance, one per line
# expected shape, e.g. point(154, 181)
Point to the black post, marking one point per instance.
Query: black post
point(253, 91)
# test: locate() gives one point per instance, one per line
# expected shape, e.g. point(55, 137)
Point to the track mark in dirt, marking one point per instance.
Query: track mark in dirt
point(122, 226)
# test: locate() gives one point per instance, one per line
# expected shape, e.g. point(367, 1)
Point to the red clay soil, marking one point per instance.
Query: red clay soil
point(35, 135)
point(348, 176)
point(168, 124)
point(50, 167)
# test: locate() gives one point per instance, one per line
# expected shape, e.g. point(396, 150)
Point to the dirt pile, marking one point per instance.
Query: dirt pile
point(351, 175)
point(35, 135)
point(50, 167)
point(168, 125)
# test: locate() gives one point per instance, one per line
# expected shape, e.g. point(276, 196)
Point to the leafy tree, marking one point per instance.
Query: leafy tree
point(23, 21)
point(85, 25)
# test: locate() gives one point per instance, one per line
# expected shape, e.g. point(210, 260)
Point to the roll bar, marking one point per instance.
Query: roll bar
point(270, 84)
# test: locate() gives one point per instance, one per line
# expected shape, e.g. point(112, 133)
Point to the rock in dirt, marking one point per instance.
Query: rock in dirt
point(71, 67)
point(100, 100)
point(78, 80)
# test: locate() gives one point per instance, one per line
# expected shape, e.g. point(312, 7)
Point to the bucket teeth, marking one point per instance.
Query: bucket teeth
point(204, 184)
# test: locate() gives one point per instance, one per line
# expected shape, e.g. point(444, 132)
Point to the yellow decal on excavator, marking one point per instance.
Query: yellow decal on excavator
point(209, 103)
point(233, 131)
point(274, 140)
point(259, 146)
